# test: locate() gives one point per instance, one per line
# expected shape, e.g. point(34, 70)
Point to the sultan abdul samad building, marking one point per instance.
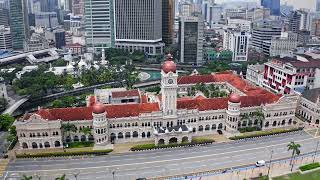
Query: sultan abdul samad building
point(132, 116)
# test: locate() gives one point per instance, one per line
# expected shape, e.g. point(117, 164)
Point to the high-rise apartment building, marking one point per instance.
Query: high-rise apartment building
point(299, 20)
point(99, 24)
point(211, 12)
point(5, 38)
point(19, 25)
point(264, 32)
point(273, 5)
point(191, 40)
point(138, 26)
point(78, 7)
point(237, 42)
point(168, 21)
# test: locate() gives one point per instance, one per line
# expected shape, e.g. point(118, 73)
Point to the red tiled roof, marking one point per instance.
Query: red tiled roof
point(85, 113)
point(130, 93)
point(144, 99)
point(203, 104)
point(195, 79)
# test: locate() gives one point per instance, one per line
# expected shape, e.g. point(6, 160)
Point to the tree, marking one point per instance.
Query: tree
point(295, 148)
point(86, 131)
point(3, 104)
point(6, 121)
point(24, 177)
point(68, 128)
point(12, 134)
point(63, 177)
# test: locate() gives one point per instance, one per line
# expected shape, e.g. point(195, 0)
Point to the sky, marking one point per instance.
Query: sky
point(309, 4)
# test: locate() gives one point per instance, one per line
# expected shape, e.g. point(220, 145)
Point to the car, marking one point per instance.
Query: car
point(260, 163)
point(220, 132)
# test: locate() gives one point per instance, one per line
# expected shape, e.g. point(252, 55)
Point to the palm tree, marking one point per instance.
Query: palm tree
point(86, 131)
point(68, 128)
point(63, 177)
point(295, 151)
point(24, 177)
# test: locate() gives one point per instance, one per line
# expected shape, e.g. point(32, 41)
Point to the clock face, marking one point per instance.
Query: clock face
point(170, 81)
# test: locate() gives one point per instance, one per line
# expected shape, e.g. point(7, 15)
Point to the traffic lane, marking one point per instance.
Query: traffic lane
point(204, 164)
point(210, 162)
point(176, 153)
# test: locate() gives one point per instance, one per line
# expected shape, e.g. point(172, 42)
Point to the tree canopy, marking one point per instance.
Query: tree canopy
point(6, 121)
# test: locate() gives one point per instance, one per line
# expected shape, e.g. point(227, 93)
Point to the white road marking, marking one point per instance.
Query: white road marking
point(160, 161)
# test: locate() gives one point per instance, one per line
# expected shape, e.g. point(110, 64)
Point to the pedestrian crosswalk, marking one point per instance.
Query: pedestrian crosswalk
point(3, 165)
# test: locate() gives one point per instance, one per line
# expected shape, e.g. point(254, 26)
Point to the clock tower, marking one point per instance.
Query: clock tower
point(169, 85)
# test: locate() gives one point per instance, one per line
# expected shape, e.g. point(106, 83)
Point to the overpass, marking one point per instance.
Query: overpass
point(27, 103)
point(15, 106)
point(34, 57)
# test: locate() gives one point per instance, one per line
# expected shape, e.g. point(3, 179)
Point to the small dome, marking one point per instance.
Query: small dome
point(98, 108)
point(234, 98)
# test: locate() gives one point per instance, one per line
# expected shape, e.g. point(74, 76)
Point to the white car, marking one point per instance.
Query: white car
point(260, 163)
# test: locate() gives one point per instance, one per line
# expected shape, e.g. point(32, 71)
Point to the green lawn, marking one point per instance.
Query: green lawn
point(297, 176)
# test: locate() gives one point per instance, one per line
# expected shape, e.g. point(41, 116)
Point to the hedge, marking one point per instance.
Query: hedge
point(153, 146)
point(309, 166)
point(81, 144)
point(59, 154)
point(249, 129)
point(265, 133)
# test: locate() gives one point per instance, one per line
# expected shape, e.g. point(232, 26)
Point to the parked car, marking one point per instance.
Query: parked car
point(260, 163)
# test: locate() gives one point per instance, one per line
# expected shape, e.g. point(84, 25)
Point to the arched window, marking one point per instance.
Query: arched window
point(220, 126)
point(34, 145)
point(46, 144)
point(128, 135)
point(200, 128)
point(120, 135)
point(274, 123)
point(135, 134)
point(283, 122)
point(207, 128)
point(266, 124)
point(76, 138)
point(161, 142)
point(148, 134)
point(24, 145)
point(214, 126)
point(143, 134)
point(83, 138)
point(57, 144)
point(317, 121)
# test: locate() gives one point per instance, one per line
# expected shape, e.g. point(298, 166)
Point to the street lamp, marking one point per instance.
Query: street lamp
point(315, 153)
point(270, 162)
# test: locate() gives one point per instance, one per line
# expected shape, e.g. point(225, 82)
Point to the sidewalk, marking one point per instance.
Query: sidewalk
point(278, 168)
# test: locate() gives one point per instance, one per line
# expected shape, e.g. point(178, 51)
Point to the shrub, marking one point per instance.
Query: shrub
point(309, 166)
point(264, 133)
point(249, 129)
point(59, 154)
point(194, 141)
point(81, 144)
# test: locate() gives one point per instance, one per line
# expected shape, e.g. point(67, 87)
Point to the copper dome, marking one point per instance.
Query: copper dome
point(98, 108)
point(234, 98)
point(169, 65)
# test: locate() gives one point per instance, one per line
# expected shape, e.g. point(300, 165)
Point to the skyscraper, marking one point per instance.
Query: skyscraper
point(167, 21)
point(99, 24)
point(191, 40)
point(19, 25)
point(273, 5)
point(138, 26)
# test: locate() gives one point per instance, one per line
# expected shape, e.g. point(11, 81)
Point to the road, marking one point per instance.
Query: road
point(165, 162)
point(15, 106)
